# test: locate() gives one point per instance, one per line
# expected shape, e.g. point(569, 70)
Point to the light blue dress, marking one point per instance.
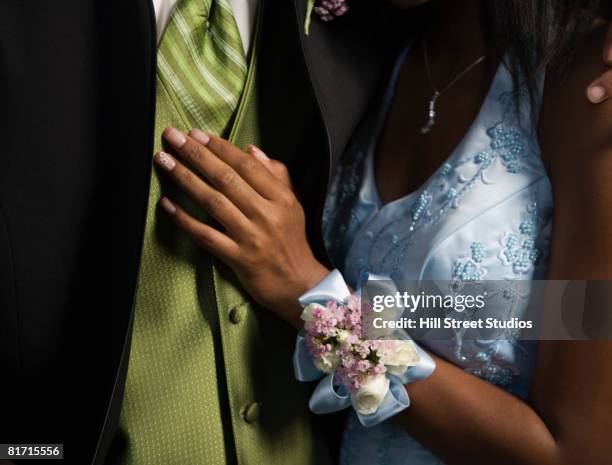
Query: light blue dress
point(485, 214)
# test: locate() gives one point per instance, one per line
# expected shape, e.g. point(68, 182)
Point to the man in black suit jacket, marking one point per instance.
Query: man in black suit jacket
point(71, 225)
point(77, 86)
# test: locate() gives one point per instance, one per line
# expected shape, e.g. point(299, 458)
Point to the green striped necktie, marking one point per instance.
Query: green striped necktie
point(202, 63)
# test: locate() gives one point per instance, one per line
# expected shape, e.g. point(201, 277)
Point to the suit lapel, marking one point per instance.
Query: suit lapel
point(345, 59)
point(133, 75)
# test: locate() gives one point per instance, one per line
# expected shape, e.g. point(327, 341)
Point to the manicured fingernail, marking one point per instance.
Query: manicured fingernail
point(165, 161)
point(167, 205)
point(257, 153)
point(200, 136)
point(175, 137)
point(596, 93)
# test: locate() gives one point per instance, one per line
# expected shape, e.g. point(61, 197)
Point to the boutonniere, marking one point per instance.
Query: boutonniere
point(326, 10)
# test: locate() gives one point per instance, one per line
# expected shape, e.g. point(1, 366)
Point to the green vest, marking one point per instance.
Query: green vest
point(226, 391)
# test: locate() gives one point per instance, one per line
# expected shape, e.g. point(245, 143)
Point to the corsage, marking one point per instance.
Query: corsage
point(368, 375)
point(326, 10)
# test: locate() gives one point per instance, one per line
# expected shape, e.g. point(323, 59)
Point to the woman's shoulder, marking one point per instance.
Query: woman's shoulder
point(571, 126)
point(576, 141)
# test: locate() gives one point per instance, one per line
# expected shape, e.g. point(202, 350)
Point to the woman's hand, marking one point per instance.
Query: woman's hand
point(250, 195)
point(601, 88)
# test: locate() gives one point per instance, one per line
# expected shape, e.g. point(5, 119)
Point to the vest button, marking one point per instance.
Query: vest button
point(237, 314)
point(251, 412)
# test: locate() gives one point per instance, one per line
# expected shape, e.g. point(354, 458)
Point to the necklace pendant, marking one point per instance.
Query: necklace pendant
point(431, 114)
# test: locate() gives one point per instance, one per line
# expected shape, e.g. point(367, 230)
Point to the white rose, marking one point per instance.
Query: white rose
point(397, 370)
point(400, 355)
point(307, 312)
point(328, 362)
point(370, 395)
point(342, 335)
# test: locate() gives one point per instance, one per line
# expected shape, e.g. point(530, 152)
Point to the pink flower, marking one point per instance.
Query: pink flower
point(330, 9)
point(380, 369)
point(334, 340)
point(363, 365)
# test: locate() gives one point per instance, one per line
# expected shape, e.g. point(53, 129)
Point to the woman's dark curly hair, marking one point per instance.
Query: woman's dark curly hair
point(540, 34)
point(532, 34)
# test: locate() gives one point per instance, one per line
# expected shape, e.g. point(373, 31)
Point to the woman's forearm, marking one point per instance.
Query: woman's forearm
point(465, 420)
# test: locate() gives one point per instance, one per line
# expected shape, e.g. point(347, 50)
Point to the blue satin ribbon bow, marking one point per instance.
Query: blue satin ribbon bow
point(327, 397)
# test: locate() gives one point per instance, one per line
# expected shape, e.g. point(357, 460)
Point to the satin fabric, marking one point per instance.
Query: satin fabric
point(485, 214)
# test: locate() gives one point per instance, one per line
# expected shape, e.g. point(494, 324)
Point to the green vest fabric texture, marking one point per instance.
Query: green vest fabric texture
point(210, 377)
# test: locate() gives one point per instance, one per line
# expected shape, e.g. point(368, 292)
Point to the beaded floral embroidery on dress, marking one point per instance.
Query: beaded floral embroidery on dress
point(469, 269)
point(519, 249)
point(338, 208)
point(447, 187)
point(518, 252)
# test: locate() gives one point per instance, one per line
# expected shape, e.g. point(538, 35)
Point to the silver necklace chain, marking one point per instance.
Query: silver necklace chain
point(432, 113)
